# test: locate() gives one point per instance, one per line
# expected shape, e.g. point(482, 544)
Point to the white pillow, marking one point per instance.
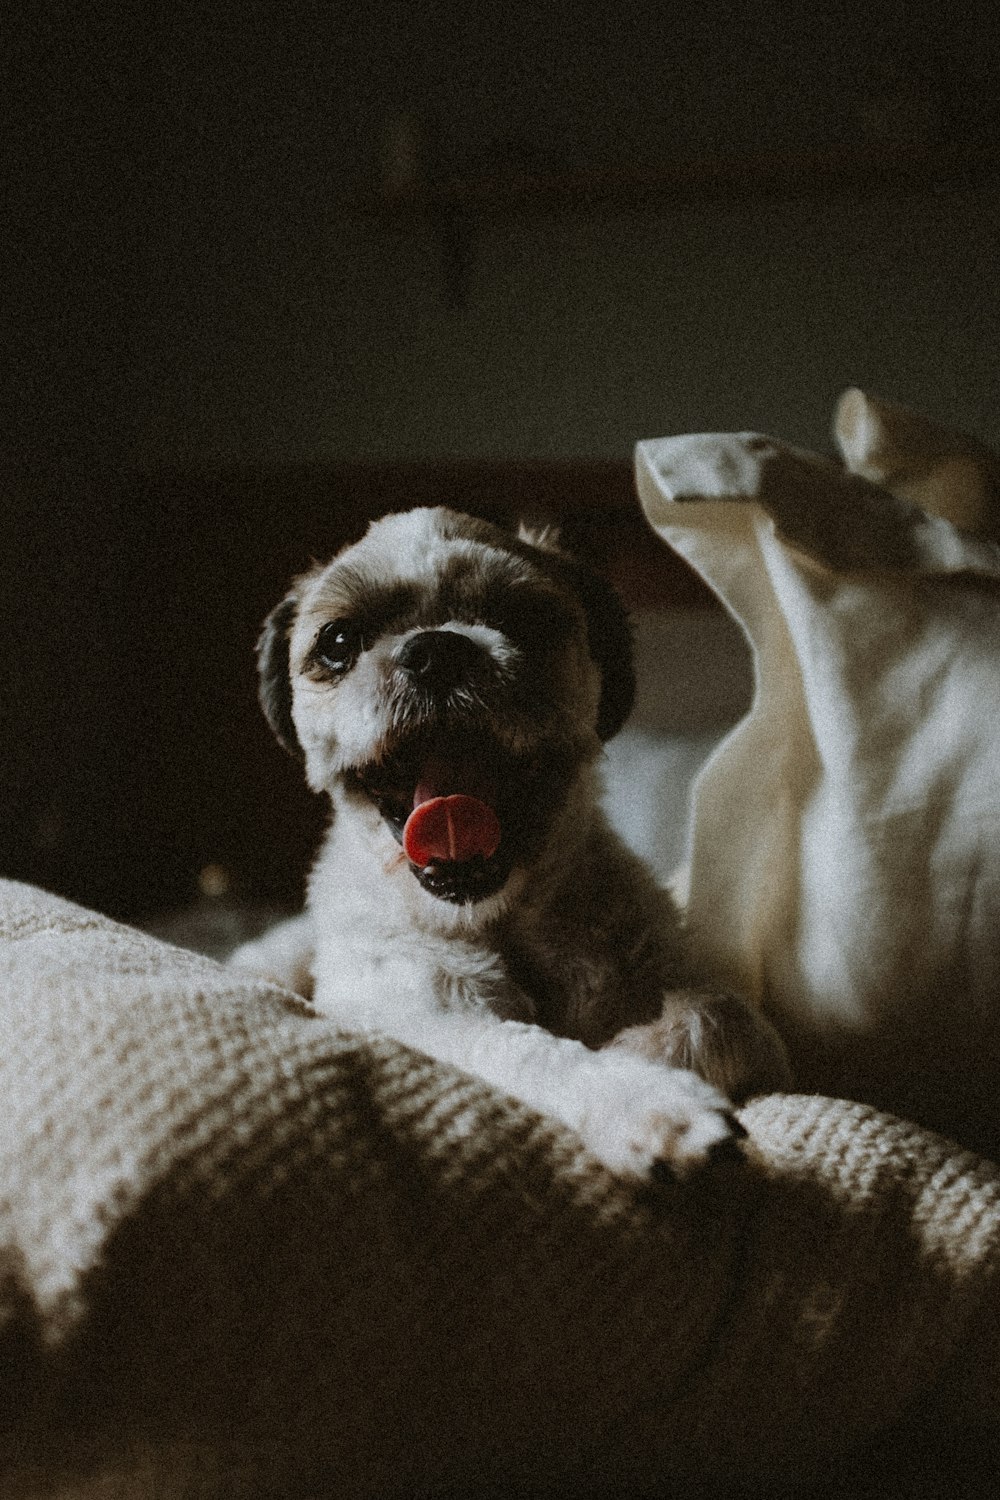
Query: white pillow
point(845, 836)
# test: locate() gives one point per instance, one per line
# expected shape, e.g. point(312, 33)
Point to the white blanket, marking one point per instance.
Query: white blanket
point(845, 836)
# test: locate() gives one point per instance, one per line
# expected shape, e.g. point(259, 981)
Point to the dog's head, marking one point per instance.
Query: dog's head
point(448, 684)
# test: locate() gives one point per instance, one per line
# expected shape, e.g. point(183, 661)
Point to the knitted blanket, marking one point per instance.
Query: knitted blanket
point(245, 1253)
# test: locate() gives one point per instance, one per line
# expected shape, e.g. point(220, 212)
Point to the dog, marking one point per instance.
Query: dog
point(449, 686)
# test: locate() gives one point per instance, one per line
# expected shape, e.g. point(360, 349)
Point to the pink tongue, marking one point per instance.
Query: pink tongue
point(450, 829)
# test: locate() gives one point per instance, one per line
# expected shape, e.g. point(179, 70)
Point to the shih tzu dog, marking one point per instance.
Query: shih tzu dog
point(449, 686)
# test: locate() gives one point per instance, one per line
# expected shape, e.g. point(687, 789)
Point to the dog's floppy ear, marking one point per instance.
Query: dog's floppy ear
point(609, 633)
point(275, 687)
point(609, 637)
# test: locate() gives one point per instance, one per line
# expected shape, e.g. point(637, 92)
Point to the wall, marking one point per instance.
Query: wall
point(189, 277)
point(581, 334)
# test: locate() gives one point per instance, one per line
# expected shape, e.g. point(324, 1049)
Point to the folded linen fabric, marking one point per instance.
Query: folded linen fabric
point(844, 858)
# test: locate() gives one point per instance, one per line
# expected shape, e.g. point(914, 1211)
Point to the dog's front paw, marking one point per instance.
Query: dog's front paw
point(643, 1120)
point(283, 954)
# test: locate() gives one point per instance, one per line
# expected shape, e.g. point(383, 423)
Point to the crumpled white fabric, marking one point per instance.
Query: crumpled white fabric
point(845, 836)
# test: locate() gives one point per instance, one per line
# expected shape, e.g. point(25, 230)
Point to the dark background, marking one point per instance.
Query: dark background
point(270, 267)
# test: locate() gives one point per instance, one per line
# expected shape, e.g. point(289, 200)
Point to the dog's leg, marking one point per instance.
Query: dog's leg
point(721, 1037)
point(631, 1113)
point(283, 954)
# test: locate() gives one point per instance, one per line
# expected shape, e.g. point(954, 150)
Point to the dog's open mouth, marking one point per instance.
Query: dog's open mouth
point(453, 808)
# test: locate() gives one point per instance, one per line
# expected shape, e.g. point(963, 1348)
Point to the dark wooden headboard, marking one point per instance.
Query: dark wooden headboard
point(133, 752)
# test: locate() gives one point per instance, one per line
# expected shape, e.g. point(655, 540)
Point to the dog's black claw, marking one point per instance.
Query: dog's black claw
point(662, 1173)
point(724, 1152)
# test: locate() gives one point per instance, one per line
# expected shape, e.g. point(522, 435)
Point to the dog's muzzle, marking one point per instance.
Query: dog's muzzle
point(445, 790)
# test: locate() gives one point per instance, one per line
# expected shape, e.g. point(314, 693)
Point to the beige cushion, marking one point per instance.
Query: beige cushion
point(246, 1253)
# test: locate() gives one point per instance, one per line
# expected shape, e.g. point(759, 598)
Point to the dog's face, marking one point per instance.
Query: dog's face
point(448, 684)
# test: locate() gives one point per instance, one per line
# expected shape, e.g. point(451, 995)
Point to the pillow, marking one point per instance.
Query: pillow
point(844, 852)
point(948, 473)
point(248, 1254)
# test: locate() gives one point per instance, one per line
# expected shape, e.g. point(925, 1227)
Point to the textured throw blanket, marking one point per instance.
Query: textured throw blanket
point(246, 1254)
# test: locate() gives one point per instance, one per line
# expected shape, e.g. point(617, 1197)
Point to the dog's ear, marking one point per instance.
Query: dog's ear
point(275, 686)
point(609, 637)
point(609, 632)
point(541, 534)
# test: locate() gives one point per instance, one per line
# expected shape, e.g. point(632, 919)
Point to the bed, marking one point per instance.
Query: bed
point(246, 1253)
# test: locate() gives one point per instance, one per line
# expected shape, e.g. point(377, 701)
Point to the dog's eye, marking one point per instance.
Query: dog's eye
point(338, 645)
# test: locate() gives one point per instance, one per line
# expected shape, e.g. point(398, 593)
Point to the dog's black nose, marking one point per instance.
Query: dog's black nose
point(439, 659)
